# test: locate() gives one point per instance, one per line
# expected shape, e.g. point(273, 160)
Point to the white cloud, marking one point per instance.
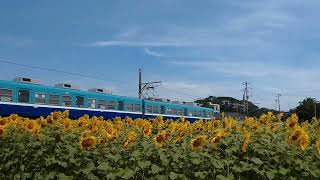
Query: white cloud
point(153, 53)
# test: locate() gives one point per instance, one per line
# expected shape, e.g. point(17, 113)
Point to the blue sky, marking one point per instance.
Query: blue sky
point(197, 48)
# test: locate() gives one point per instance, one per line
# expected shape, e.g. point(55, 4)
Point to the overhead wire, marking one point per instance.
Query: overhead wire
point(119, 82)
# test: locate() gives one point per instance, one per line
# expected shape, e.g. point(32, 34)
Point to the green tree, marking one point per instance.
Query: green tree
point(306, 109)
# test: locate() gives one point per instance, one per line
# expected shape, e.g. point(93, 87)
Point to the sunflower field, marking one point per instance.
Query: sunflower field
point(57, 147)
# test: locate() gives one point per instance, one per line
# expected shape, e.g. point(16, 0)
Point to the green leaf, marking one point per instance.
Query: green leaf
point(144, 164)
point(283, 171)
point(256, 160)
point(195, 161)
point(271, 175)
point(62, 176)
point(221, 177)
point(201, 175)
point(164, 159)
point(155, 169)
point(104, 166)
point(87, 170)
point(161, 177)
point(173, 175)
point(128, 173)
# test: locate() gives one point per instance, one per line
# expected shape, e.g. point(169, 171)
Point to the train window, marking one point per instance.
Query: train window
point(80, 101)
point(190, 113)
point(54, 100)
point(121, 105)
point(137, 108)
point(130, 107)
point(185, 111)
point(40, 98)
point(23, 96)
point(168, 111)
point(101, 104)
point(91, 103)
point(6, 95)
point(149, 109)
point(162, 110)
point(204, 113)
point(111, 105)
point(155, 109)
point(66, 101)
point(174, 111)
point(179, 112)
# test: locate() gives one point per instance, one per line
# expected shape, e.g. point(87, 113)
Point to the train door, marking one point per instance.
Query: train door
point(121, 105)
point(24, 96)
point(80, 101)
point(162, 109)
point(185, 112)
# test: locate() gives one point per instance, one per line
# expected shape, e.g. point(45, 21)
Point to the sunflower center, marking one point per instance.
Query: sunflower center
point(89, 142)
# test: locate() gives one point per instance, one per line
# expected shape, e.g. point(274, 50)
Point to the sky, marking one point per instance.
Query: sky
point(196, 48)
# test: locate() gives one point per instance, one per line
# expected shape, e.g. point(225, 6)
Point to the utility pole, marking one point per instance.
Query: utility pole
point(315, 107)
point(278, 101)
point(140, 82)
point(146, 86)
point(245, 98)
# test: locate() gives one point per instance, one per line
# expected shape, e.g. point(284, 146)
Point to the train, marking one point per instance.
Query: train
point(29, 98)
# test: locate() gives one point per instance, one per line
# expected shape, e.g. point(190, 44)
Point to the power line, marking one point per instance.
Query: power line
point(147, 85)
point(145, 88)
point(56, 70)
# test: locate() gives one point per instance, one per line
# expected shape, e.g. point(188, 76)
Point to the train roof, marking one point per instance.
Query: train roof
point(90, 93)
point(172, 105)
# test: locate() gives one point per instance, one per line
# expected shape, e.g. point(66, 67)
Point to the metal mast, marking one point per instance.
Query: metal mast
point(147, 87)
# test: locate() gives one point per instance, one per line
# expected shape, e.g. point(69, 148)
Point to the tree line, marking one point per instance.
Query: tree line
point(306, 109)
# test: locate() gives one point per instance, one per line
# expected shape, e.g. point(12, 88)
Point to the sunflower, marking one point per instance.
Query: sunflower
point(2, 131)
point(105, 134)
point(270, 117)
point(299, 137)
point(216, 123)
point(14, 117)
point(30, 125)
point(33, 126)
point(318, 146)
point(147, 131)
point(249, 122)
point(280, 115)
point(198, 142)
point(246, 140)
point(229, 123)
point(263, 119)
point(68, 125)
point(178, 140)
point(49, 120)
point(92, 127)
point(3, 122)
point(219, 134)
point(88, 142)
point(132, 136)
point(129, 120)
point(159, 120)
point(292, 121)
point(65, 114)
point(182, 119)
point(56, 115)
point(160, 139)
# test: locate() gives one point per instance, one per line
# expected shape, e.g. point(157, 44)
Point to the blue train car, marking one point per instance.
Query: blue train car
point(29, 99)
